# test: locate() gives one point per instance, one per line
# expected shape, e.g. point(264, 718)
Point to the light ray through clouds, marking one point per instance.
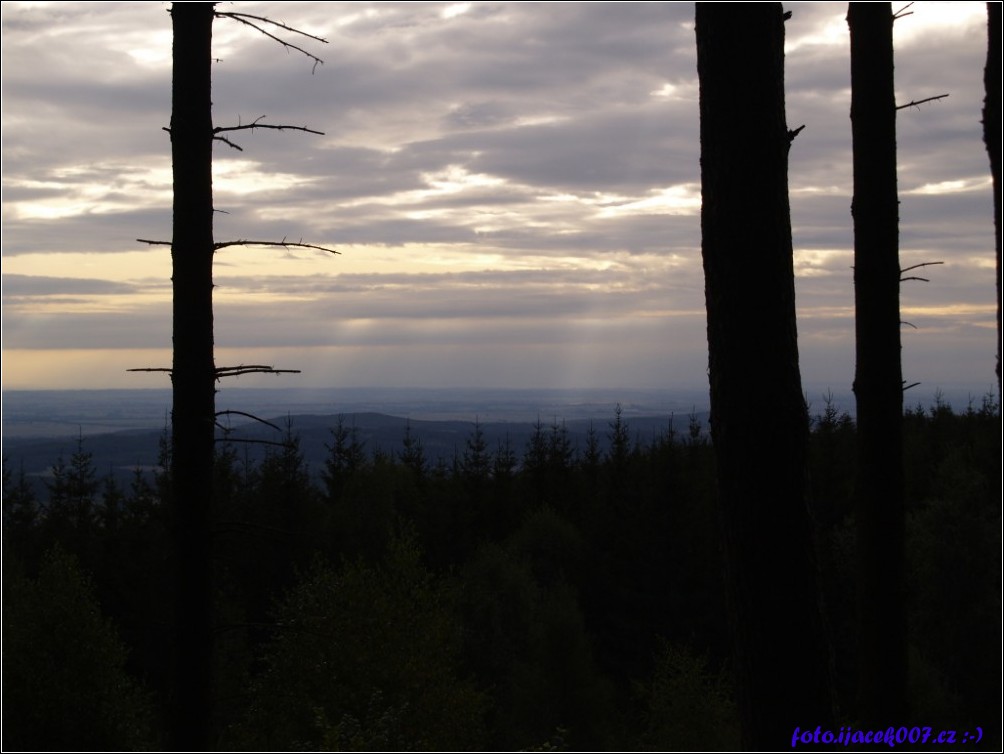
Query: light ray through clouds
point(515, 188)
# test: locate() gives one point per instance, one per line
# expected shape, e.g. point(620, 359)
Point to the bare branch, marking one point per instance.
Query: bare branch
point(907, 387)
point(237, 371)
point(900, 13)
point(248, 441)
point(256, 123)
point(263, 19)
point(918, 266)
point(283, 243)
point(908, 324)
point(151, 369)
point(153, 243)
point(917, 102)
point(233, 412)
point(243, 18)
point(246, 366)
point(229, 143)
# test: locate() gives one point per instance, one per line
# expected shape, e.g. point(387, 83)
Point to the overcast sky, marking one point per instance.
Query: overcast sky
point(513, 187)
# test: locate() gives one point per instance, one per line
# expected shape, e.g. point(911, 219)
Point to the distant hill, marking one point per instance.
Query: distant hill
point(123, 451)
point(122, 429)
point(65, 413)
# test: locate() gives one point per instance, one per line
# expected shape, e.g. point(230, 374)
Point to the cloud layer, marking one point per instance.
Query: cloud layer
point(514, 187)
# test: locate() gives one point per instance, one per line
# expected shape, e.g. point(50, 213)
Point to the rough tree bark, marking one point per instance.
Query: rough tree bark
point(992, 140)
point(193, 372)
point(782, 653)
point(878, 381)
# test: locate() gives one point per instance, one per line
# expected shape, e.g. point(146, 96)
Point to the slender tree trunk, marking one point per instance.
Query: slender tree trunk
point(992, 140)
point(193, 372)
point(878, 381)
point(782, 654)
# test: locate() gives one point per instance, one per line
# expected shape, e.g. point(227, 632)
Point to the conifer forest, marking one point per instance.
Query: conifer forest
point(776, 577)
point(540, 597)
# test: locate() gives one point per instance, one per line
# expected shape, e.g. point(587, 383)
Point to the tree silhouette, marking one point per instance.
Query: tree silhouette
point(753, 361)
point(413, 453)
point(992, 140)
point(878, 381)
point(20, 503)
point(65, 665)
point(475, 462)
point(72, 490)
point(194, 373)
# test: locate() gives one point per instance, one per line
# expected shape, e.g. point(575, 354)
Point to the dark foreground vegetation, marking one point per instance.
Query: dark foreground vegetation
point(540, 597)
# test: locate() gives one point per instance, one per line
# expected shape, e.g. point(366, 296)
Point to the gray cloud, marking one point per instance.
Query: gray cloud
point(555, 123)
point(26, 286)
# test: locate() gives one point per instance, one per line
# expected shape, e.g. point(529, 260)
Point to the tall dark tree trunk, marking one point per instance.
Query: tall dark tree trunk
point(193, 372)
point(992, 140)
point(782, 654)
point(878, 381)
